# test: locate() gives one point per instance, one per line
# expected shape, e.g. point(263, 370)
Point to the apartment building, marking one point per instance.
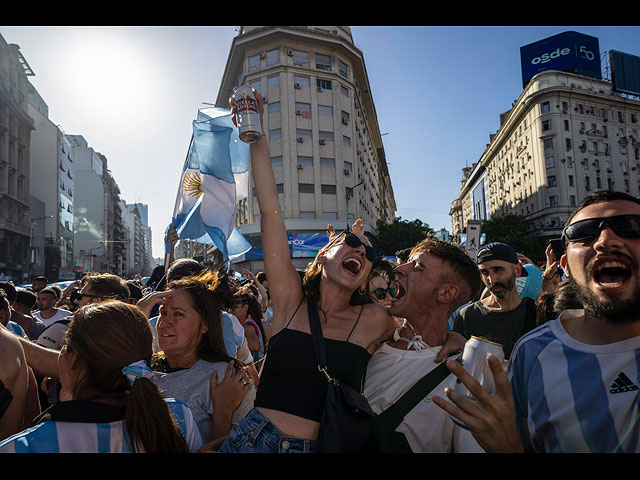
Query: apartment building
point(566, 136)
point(15, 134)
point(320, 119)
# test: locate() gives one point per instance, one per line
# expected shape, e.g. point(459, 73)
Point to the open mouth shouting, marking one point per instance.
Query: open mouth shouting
point(611, 273)
point(352, 265)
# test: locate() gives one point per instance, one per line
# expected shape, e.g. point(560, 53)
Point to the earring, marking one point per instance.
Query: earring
point(362, 290)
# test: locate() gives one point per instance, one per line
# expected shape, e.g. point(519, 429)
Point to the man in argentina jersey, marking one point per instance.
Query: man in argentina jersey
point(575, 380)
point(91, 427)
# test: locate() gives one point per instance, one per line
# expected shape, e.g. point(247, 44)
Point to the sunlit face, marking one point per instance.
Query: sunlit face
point(45, 301)
point(418, 281)
point(239, 310)
point(180, 326)
point(347, 265)
point(605, 269)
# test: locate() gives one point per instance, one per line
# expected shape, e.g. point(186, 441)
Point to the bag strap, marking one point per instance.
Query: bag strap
point(395, 413)
point(316, 337)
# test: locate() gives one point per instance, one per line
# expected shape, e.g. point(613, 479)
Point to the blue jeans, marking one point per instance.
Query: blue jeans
point(256, 434)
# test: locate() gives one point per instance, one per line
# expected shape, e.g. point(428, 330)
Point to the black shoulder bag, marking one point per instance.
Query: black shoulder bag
point(348, 425)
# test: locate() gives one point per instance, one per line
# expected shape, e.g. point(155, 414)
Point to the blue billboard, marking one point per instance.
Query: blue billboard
point(568, 52)
point(307, 244)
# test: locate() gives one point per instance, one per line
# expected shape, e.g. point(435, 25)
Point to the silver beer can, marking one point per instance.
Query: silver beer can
point(247, 115)
point(475, 358)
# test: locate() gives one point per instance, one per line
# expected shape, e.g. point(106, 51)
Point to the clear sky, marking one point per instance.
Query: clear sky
point(133, 93)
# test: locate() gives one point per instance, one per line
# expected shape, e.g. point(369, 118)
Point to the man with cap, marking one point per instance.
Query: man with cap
point(502, 316)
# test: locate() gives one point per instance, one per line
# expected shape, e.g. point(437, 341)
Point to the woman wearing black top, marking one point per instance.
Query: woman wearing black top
point(292, 390)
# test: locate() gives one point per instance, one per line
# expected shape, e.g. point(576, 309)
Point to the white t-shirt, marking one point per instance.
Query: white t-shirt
point(391, 372)
point(59, 315)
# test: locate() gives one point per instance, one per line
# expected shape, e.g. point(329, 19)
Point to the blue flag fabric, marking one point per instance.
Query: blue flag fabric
point(214, 179)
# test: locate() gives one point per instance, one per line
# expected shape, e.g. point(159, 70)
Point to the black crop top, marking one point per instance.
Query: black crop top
point(291, 382)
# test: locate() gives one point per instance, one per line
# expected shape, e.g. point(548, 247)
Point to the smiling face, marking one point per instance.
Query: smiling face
point(605, 269)
point(180, 328)
point(345, 264)
point(379, 282)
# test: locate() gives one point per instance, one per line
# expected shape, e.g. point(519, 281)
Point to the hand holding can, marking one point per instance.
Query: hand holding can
point(247, 114)
point(475, 360)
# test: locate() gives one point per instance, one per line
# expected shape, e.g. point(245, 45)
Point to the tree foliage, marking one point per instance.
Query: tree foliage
point(514, 230)
point(399, 235)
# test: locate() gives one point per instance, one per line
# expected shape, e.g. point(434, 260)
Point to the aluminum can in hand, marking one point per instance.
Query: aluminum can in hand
point(247, 115)
point(475, 360)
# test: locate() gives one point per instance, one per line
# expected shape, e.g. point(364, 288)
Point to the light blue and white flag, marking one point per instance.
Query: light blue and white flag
point(214, 179)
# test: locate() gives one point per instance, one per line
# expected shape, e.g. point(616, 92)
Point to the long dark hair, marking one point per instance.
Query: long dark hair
point(106, 337)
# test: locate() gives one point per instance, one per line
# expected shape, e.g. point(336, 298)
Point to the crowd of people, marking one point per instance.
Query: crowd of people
point(211, 360)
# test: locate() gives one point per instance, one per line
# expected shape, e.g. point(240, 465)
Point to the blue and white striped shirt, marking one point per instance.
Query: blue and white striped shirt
point(83, 436)
point(573, 397)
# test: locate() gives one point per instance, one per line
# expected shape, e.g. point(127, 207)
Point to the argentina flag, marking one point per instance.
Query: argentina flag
point(214, 179)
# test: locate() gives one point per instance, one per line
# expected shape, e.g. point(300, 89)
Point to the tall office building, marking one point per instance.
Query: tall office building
point(15, 133)
point(570, 132)
point(324, 139)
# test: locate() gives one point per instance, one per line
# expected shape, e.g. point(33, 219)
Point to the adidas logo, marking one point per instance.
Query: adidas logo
point(622, 384)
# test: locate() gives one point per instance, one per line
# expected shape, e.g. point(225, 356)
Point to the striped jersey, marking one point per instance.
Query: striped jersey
point(573, 397)
point(91, 427)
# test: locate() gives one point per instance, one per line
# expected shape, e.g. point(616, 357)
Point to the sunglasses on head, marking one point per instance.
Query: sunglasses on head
point(354, 241)
point(622, 225)
point(381, 293)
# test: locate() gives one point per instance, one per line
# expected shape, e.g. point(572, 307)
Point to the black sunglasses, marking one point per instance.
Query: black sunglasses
point(381, 293)
point(622, 225)
point(354, 241)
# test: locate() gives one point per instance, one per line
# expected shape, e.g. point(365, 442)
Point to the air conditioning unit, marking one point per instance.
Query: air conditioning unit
point(299, 139)
point(319, 89)
point(290, 53)
point(262, 56)
point(300, 166)
point(297, 85)
point(345, 121)
point(322, 142)
point(298, 112)
point(347, 171)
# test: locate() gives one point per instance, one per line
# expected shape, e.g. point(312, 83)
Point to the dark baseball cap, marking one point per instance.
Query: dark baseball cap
point(499, 251)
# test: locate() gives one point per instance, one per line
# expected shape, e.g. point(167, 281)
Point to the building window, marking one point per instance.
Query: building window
point(553, 201)
point(303, 109)
point(280, 187)
point(348, 166)
point(546, 125)
point(567, 142)
point(299, 81)
point(302, 133)
point(344, 90)
point(254, 62)
point(305, 161)
point(544, 107)
point(307, 215)
point(549, 162)
point(273, 57)
point(346, 141)
point(323, 84)
point(598, 183)
point(300, 58)
point(587, 183)
point(327, 162)
point(329, 215)
point(275, 133)
point(566, 125)
point(306, 188)
point(343, 69)
point(323, 62)
point(551, 181)
point(325, 110)
point(329, 189)
point(548, 143)
point(273, 81)
point(276, 161)
point(273, 107)
point(571, 183)
point(326, 137)
point(572, 200)
point(256, 84)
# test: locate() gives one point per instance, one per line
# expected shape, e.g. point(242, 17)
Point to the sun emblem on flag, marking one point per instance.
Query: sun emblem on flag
point(192, 184)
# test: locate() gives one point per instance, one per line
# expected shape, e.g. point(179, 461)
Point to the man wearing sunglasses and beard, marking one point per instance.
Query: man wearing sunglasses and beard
point(574, 380)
